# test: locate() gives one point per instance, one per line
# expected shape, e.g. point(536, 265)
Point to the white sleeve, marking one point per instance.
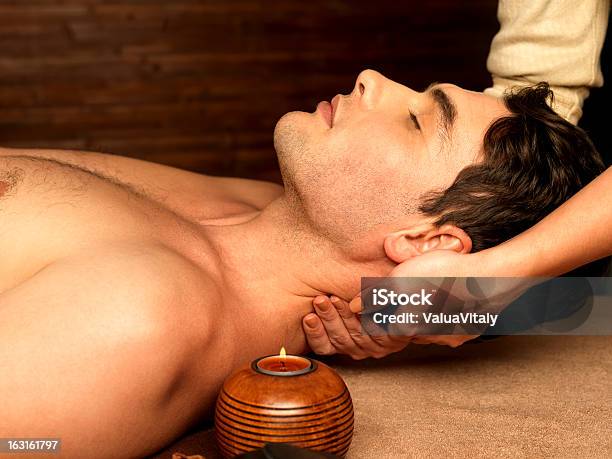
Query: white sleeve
point(557, 41)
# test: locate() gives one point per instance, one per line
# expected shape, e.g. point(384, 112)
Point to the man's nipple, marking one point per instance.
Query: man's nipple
point(3, 188)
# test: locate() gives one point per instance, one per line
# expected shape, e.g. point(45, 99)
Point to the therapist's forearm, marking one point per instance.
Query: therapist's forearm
point(576, 233)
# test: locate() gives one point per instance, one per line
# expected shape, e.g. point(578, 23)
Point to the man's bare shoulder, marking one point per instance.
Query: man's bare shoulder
point(120, 329)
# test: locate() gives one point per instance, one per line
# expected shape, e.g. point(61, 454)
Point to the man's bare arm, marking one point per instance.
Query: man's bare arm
point(99, 350)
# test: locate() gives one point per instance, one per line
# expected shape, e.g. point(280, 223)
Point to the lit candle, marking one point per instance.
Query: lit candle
point(283, 364)
point(284, 399)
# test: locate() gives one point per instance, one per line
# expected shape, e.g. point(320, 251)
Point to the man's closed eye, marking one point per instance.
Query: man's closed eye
point(415, 121)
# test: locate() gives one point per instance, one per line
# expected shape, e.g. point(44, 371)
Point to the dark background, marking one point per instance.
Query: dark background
point(201, 84)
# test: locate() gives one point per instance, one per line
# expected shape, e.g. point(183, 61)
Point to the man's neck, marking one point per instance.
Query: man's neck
point(275, 262)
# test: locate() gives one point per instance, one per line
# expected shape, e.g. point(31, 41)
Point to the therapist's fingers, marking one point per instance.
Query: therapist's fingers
point(346, 332)
point(355, 305)
point(338, 335)
point(316, 336)
point(350, 321)
point(363, 339)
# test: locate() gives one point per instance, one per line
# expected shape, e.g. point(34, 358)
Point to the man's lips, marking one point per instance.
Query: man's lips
point(328, 110)
point(334, 103)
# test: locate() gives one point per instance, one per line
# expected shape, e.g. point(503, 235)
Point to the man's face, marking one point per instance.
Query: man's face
point(385, 146)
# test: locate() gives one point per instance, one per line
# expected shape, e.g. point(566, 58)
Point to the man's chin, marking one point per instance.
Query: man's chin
point(291, 135)
point(294, 120)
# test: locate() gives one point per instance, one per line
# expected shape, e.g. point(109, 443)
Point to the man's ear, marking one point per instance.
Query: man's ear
point(402, 245)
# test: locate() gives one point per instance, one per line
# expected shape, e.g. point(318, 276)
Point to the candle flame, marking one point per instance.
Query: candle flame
point(282, 354)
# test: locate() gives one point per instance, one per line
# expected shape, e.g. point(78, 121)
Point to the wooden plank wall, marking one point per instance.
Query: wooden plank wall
point(200, 84)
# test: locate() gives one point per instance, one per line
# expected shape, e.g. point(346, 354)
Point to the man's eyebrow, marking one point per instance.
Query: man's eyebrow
point(446, 108)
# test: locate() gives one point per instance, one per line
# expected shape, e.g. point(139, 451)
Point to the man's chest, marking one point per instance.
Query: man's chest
point(53, 211)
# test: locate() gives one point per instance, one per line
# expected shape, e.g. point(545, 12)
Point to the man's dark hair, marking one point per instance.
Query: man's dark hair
point(533, 162)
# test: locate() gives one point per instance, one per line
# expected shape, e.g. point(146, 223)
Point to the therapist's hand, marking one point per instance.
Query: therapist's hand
point(334, 329)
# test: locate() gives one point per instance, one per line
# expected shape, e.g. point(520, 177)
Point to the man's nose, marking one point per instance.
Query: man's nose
point(369, 88)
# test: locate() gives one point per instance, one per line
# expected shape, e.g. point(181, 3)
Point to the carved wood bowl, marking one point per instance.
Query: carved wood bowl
point(313, 410)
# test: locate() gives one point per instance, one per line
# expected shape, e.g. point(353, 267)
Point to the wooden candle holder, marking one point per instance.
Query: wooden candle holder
point(311, 410)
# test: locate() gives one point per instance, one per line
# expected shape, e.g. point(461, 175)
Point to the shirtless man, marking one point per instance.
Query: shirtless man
point(129, 290)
